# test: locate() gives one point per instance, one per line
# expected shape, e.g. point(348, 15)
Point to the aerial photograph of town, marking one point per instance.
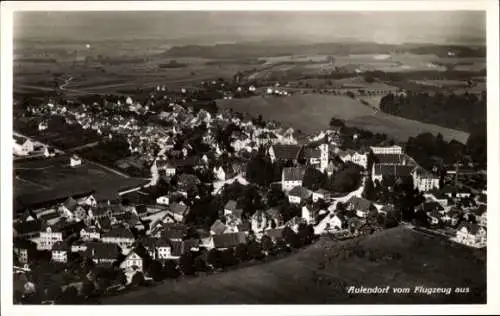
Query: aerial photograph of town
point(249, 157)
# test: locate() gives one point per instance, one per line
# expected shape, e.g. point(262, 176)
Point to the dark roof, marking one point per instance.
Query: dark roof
point(188, 179)
point(176, 249)
point(49, 216)
point(229, 240)
point(430, 206)
point(293, 173)
point(393, 170)
point(360, 204)
point(286, 152)
point(188, 244)
point(301, 192)
point(218, 227)
point(119, 232)
point(22, 243)
point(309, 152)
point(100, 250)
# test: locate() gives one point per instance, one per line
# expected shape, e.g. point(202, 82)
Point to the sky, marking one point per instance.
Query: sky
point(210, 27)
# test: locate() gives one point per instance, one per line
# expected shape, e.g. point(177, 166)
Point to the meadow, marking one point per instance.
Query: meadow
point(311, 113)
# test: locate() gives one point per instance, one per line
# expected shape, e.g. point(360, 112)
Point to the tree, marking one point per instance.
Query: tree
point(335, 122)
point(170, 269)
point(369, 190)
point(254, 251)
point(260, 169)
point(186, 263)
point(305, 234)
point(213, 258)
point(87, 288)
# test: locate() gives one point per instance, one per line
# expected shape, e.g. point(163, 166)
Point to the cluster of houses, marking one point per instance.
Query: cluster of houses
point(110, 232)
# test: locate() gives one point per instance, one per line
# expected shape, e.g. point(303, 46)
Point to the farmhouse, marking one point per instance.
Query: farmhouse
point(22, 146)
point(231, 240)
point(291, 177)
point(103, 253)
point(280, 152)
point(321, 194)
point(178, 211)
point(310, 213)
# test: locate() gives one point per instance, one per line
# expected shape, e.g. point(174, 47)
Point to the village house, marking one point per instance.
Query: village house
point(75, 161)
point(338, 222)
point(275, 234)
point(380, 172)
point(162, 200)
point(218, 228)
point(274, 217)
point(219, 173)
point(178, 211)
point(104, 254)
point(60, 252)
point(259, 221)
point(90, 233)
point(68, 207)
point(354, 157)
point(48, 238)
point(299, 194)
point(471, 234)
point(361, 206)
point(231, 207)
point(279, 152)
point(291, 177)
point(49, 152)
point(23, 249)
point(387, 150)
point(22, 146)
point(27, 229)
point(424, 181)
point(120, 236)
point(231, 240)
point(317, 157)
point(133, 262)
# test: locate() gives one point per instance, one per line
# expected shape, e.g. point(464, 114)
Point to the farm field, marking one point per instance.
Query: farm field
point(311, 113)
point(45, 179)
point(320, 274)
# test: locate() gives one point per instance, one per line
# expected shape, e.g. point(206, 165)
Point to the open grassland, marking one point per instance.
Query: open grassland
point(321, 273)
point(45, 179)
point(312, 113)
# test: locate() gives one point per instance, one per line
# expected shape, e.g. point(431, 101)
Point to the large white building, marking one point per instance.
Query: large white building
point(424, 181)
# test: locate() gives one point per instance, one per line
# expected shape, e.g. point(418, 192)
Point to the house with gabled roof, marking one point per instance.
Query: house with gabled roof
point(360, 205)
point(102, 253)
point(231, 240)
point(178, 211)
point(218, 228)
point(232, 207)
point(132, 262)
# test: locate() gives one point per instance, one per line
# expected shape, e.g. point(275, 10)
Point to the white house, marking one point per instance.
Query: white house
point(299, 194)
point(132, 262)
point(23, 146)
point(60, 252)
point(75, 161)
point(89, 233)
point(42, 126)
point(471, 235)
point(309, 214)
point(163, 200)
point(120, 236)
point(355, 157)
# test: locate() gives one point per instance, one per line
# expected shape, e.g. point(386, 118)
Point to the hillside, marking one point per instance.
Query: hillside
point(319, 274)
point(312, 112)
